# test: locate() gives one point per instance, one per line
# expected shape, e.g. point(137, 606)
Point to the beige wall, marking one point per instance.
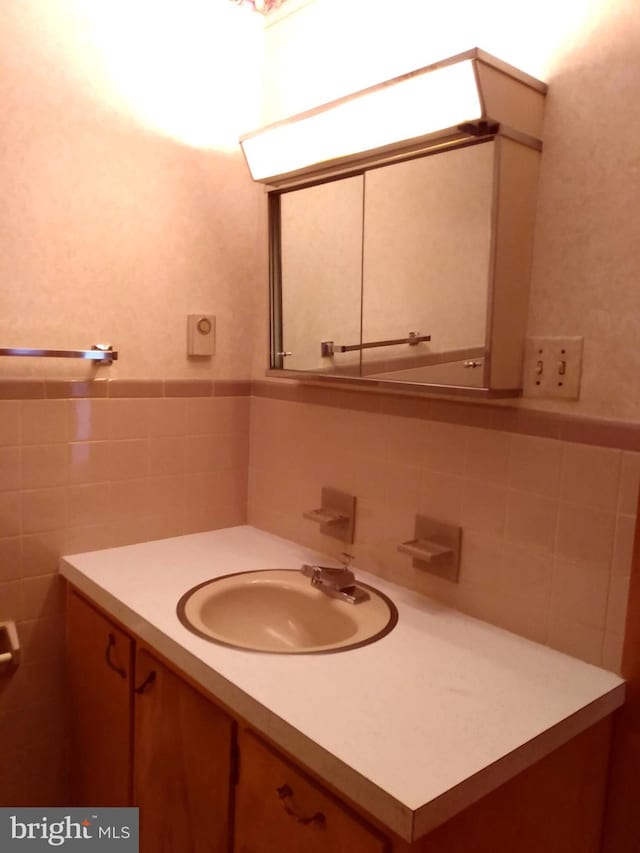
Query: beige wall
point(120, 216)
point(586, 256)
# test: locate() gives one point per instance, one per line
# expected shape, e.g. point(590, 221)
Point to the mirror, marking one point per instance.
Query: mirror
point(321, 260)
point(426, 261)
point(413, 273)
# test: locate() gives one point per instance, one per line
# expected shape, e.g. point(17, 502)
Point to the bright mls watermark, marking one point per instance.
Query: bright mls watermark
point(75, 829)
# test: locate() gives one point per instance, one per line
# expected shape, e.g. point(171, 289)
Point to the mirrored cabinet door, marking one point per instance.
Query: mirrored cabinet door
point(321, 273)
point(414, 273)
point(426, 264)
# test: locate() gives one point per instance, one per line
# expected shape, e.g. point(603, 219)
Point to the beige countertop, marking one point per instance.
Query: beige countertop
point(413, 728)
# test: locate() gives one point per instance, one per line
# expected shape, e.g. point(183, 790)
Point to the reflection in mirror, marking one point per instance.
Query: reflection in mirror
point(321, 270)
point(400, 252)
point(426, 265)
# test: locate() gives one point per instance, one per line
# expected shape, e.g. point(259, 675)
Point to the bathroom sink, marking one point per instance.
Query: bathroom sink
point(281, 611)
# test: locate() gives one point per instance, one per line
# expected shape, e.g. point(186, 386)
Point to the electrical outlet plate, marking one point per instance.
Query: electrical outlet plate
point(553, 367)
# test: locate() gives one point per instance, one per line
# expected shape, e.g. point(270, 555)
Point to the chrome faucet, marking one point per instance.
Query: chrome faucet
point(336, 582)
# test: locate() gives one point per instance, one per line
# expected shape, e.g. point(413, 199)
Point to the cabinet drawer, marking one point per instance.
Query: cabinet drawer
point(280, 810)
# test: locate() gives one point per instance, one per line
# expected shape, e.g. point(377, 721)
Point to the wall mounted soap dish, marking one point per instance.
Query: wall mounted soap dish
point(435, 547)
point(336, 514)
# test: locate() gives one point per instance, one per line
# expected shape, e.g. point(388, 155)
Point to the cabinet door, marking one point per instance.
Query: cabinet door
point(427, 262)
point(182, 764)
point(99, 666)
point(321, 275)
point(280, 810)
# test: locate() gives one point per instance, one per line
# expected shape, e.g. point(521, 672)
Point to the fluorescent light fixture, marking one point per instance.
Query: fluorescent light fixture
point(446, 99)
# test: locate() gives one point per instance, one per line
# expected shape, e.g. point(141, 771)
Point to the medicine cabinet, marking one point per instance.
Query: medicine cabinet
point(408, 266)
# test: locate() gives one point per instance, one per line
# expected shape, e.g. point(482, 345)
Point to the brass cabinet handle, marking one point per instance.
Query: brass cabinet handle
point(285, 794)
point(122, 672)
point(149, 680)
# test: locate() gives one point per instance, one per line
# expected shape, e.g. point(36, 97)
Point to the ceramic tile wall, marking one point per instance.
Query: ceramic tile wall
point(78, 475)
point(547, 524)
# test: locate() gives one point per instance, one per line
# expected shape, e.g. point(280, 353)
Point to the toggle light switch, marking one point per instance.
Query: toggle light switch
point(201, 335)
point(553, 367)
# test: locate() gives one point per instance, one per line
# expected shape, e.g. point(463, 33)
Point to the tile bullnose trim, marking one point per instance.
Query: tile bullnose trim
point(22, 389)
point(63, 389)
point(624, 435)
point(76, 389)
point(232, 388)
point(136, 387)
point(188, 387)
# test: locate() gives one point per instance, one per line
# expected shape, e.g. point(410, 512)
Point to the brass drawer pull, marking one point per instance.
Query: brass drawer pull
point(107, 656)
point(149, 680)
point(285, 794)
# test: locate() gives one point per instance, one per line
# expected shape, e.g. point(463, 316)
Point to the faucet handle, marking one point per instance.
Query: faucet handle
point(310, 571)
point(346, 559)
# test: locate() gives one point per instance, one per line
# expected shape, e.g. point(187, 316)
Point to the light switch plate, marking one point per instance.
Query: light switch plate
point(201, 335)
point(553, 367)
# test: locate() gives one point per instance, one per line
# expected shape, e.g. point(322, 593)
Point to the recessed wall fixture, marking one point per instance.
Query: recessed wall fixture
point(262, 6)
point(469, 95)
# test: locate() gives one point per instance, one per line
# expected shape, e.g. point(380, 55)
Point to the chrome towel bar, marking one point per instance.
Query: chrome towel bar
point(101, 353)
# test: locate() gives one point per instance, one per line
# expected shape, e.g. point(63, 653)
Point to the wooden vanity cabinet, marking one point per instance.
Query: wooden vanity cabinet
point(279, 809)
point(99, 672)
point(556, 806)
point(182, 761)
point(142, 735)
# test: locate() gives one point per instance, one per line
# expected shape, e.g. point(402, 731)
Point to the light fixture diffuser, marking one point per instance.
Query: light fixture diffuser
point(469, 94)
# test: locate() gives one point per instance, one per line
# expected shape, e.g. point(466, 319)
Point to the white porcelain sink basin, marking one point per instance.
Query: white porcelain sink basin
point(279, 610)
